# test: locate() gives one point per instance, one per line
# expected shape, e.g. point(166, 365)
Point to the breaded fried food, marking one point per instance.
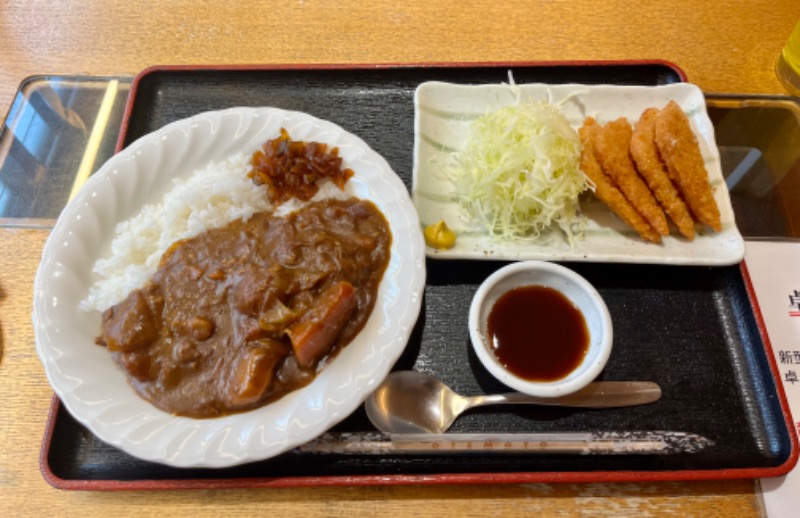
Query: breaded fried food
point(645, 154)
point(612, 149)
point(605, 189)
point(678, 148)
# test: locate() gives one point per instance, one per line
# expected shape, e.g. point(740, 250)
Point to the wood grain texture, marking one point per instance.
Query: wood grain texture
point(726, 46)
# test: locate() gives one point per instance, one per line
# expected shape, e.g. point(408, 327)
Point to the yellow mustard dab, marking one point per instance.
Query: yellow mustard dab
point(440, 236)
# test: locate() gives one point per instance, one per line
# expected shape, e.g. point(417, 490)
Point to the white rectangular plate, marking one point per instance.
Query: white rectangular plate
point(443, 114)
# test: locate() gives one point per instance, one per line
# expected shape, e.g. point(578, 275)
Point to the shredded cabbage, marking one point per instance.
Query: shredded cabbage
point(519, 172)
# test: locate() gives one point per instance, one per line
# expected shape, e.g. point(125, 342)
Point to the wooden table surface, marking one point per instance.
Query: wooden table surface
point(724, 46)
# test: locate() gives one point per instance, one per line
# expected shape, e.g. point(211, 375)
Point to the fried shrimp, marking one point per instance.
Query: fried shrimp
point(680, 151)
point(612, 148)
point(605, 189)
point(645, 154)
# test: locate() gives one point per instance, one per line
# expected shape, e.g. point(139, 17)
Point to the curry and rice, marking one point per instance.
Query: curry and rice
point(252, 298)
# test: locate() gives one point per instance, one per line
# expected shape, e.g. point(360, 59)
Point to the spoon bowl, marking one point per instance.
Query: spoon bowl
point(415, 402)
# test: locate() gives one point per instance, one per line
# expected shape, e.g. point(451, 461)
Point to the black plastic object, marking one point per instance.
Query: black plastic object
point(690, 329)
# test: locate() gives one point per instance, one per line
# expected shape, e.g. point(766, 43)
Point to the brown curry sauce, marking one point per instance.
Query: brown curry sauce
point(239, 316)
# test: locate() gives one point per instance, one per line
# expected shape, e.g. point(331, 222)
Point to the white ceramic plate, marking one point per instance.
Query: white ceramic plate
point(444, 113)
point(95, 390)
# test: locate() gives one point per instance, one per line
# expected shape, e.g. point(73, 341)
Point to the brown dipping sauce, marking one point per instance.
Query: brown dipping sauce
point(537, 333)
point(239, 316)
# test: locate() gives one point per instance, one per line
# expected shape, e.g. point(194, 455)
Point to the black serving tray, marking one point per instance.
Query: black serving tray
point(693, 330)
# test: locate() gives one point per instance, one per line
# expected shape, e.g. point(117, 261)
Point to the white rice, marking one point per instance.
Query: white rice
point(210, 197)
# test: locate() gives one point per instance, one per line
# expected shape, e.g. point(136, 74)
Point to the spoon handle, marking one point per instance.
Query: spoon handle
point(601, 394)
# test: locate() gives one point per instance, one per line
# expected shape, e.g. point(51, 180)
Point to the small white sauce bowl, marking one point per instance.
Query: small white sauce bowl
point(577, 289)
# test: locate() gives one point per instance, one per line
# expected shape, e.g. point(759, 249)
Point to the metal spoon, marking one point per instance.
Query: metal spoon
point(414, 402)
